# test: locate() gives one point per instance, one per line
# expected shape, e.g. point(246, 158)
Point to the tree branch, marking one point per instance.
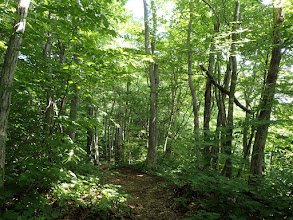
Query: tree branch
point(211, 7)
point(223, 90)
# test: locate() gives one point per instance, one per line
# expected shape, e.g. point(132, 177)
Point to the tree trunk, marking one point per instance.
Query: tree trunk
point(118, 153)
point(96, 153)
point(153, 135)
point(216, 148)
point(110, 134)
point(73, 115)
point(7, 76)
point(118, 136)
point(191, 86)
point(246, 140)
point(92, 138)
point(49, 114)
point(266, 103)
point(151, 159)
point(222, 107)
point(208, 102)
point(227, 171)
point(109, 142)
point(106, 144)
point(127, 114)
point(246, 144)
point(174, 93)
point(50, 103)
point(90, 133)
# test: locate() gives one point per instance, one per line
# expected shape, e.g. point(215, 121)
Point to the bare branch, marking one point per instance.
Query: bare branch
point(223, 90)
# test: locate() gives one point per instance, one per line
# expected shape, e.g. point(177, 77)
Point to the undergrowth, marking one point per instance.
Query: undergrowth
point(208, 195)
point(76, 193)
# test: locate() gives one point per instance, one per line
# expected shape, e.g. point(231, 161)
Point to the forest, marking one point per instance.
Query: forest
point(146, 109)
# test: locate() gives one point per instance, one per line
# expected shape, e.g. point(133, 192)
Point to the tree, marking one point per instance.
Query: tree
point(92, 136)
point(208, 91)
point(7, 76)
point(151, 159)
point(266, 104)
point(190, 83)
point(227, 170)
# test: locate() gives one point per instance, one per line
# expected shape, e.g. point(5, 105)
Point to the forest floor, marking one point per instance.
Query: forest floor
point(150, 196)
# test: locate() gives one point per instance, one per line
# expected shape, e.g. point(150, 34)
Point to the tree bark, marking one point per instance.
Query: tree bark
point(73, 115)
point(208, 95)
point(110, 133)
point(106, 144)
point(174, 93)
point(96, 153)
point(90, 132)
point(49, 111)
point(118, 150)
point(227, 170)
point(151, 159)
point(92, 138)
point(221, 118)
point(7, 76)
point(118, 135)
point(266, 103)
point(127, 114)
point(246, 144)
point(191, 86)
point(216, 148)
point(49, 114)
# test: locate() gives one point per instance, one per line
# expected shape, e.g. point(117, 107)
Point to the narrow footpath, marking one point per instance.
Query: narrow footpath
point(151, 198)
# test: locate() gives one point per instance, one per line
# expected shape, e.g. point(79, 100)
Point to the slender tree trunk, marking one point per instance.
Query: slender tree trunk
point(174, 92)
point(109, 142)
point(190, 83)
point(92, 138)
point(50, 103)
point(49, 111)
point(127, 114)
point(146, 27)
point(153, 135)
point(208, 101)
point(118, 136)
point(90, 141)
point(112, 141)
point(7, 76)
point(245, 130)
point(49, 114)
point(96, 152)
point(95, 146)
point(266, 103)
point(106, 131)
point(246, 145)
point(216, 148)
point(246, 140)
point(110, 134)
point(166, 150)
point(151, 159)
point(73, 115)
point(118, 153)
point(90, 132)
point(223, 106)
point(227, 171)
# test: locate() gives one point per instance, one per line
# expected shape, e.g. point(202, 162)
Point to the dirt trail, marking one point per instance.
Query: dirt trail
point(151, 199)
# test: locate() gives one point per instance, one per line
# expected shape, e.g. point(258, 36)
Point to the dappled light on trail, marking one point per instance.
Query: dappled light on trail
point(150, 197)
